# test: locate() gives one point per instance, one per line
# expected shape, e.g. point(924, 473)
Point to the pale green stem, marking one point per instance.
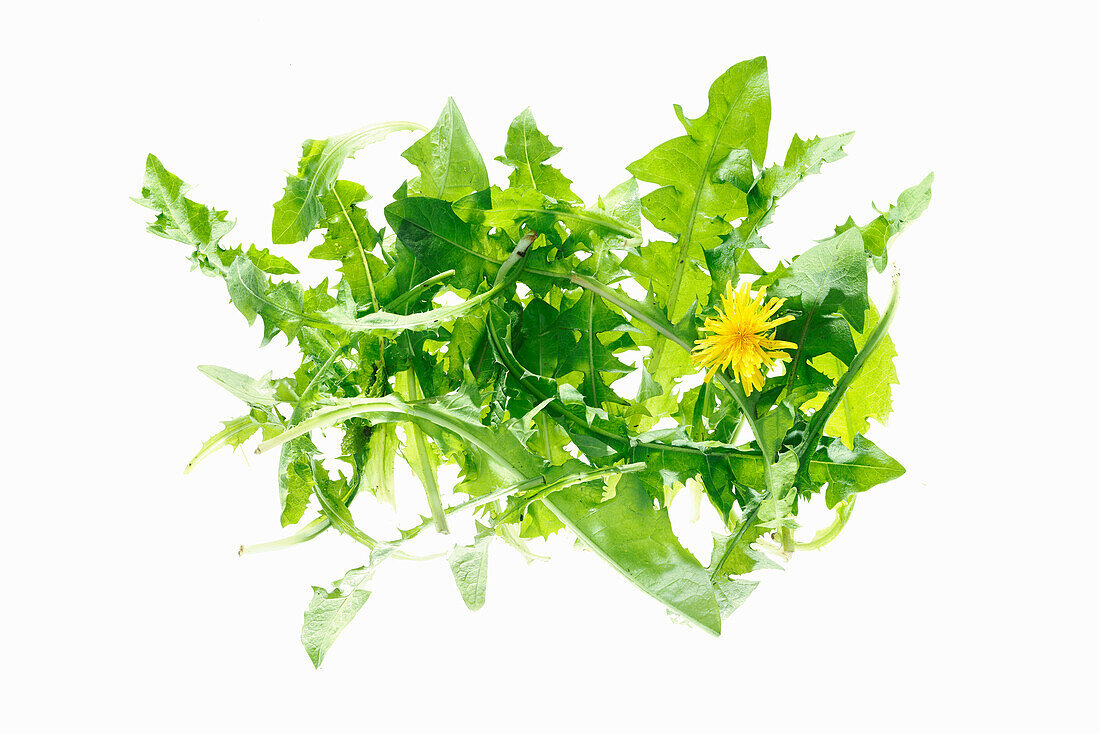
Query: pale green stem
point(414, 292)
point(827, 535)
point(566, 482)
point(427, 471)
point(310, 531)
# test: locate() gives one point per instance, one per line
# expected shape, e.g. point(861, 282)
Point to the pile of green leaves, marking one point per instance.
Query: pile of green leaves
point(550, 303)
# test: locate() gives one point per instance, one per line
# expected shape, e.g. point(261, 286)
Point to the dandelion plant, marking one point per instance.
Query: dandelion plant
point(577, 363)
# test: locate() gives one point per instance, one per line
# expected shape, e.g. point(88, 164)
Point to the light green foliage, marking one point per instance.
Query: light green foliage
point(777, 507)
point(637, 540)
point(830, 277)
point(377, 473)
point(262, 259)
point(350, 239)
point(181, 219)
point(301, 208)
point(450, 164)
point(470, 565)
point(527, 151)
point(703, 178)
point(330, 610)
point(847, 471)
point(491, 326)
point(251, 391)
point(869, 394)
point(880, 231)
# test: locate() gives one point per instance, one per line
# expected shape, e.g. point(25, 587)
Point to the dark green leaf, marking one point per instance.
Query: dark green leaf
point(441, 241)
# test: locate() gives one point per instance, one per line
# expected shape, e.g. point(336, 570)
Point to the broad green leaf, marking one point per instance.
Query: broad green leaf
point(662, 367)
point(671, 470)
point(657, 264)
point(449, 162)
point(331, 609)
point(623, 204)
point(600, 332)
point(563, 401)
point(849, 471)
point(441, 241)
point(819, 334)
point(777, 507)
point(539, 521)
point(739, 111)
point(636, 539)
point(830, 277)
point(297, 479)
point(280, 306)
point(773, 426)
point(804, 158)
point(541, 345)
point(469, 564)
point(300, 210)
point(727, 263)
point(869, 394)
point(527, 151)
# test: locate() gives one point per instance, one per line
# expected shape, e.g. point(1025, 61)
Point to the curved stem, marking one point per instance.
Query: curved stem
point(568, 481)
point(827, 535)
point(310, 531)
point(411, 295)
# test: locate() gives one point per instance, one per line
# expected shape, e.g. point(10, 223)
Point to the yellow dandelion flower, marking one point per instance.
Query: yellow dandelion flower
point(743, 338)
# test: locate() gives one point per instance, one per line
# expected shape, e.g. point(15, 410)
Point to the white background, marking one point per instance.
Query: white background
point(961, 597)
